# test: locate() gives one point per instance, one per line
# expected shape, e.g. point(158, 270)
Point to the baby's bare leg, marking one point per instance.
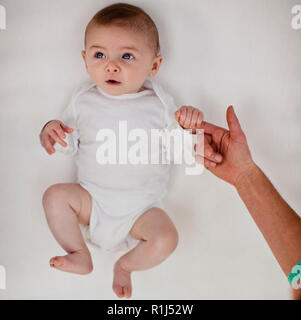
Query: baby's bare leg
point(66, 205)
point(159, 239)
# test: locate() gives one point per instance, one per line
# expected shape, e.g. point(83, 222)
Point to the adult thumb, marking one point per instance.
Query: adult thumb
point(233, 123)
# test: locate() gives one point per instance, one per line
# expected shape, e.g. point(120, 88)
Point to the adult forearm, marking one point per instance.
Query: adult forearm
point(279, 224)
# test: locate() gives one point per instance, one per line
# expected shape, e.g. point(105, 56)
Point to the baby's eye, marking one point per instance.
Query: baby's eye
point(128, 54)
point(99, 55)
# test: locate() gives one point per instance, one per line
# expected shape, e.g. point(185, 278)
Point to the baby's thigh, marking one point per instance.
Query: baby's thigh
point(154, 224)
point(78, 199)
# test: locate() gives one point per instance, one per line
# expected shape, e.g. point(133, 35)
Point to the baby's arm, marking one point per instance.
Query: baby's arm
point(65, 127)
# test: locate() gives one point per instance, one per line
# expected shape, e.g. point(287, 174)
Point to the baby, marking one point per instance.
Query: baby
point(119, 205)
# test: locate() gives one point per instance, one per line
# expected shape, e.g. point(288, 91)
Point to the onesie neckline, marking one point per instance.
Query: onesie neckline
point(125, 96)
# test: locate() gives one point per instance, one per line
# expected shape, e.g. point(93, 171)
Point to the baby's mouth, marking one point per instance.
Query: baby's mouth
point(113, 82)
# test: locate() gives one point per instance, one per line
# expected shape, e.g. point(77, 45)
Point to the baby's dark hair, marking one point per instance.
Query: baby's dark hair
point(129, 16)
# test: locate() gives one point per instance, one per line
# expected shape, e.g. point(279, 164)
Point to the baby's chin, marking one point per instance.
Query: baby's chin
point(113, 89)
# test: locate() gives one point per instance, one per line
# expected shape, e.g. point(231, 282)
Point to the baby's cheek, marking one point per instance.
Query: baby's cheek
point(95, 74)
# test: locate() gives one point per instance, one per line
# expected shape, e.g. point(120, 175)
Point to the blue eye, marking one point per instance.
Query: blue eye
point(128, 54)
point(99, 55)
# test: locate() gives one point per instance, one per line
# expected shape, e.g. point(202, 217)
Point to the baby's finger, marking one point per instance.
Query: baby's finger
point(199, 120)
point(57, 139)
point(194, 118)
point(59, 131)
point(188, 117)
point(47, 145)
point(177, 115)
point(66, 128)
point(183, 115)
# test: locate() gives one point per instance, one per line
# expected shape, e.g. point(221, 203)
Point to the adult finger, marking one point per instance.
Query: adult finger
point(201, 141)
point(57, 139)
point(210, 128)
point(205, 147)
point(205, 162)
point(211, 155)
point(233, 123)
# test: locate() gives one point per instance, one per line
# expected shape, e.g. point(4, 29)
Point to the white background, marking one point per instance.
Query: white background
point(216, 53)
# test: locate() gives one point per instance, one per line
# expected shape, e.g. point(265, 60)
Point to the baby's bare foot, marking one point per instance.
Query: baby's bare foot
point(75, 262)
point(122, 282)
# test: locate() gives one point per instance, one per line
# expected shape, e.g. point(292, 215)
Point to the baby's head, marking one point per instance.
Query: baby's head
point(122, 44)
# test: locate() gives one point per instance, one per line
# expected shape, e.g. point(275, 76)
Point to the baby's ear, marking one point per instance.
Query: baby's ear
point(84, 57)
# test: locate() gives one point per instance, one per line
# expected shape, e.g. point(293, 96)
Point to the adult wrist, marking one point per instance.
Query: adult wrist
point(247, 177)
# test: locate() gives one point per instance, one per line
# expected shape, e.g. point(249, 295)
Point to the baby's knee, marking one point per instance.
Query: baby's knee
point(52, 193)
point(165, 242)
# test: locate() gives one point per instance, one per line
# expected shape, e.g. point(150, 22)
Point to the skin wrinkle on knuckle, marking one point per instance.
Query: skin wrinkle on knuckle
point(226, 134)
point(196, 121)
point(208, 151)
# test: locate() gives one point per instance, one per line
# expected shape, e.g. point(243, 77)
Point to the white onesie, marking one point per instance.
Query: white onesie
point(120, 192)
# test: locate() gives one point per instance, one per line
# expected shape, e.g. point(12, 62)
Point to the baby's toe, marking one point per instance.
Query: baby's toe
point(119, 291)
point(56, 261)
point(127, 292)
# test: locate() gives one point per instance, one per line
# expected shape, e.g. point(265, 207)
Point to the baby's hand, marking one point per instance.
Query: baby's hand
point(189, 118)
point(54, 132)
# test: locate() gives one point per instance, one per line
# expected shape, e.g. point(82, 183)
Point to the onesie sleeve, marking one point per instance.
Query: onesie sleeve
point(69, 118)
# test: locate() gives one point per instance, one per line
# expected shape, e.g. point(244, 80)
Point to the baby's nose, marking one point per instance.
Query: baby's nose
point(112, 68)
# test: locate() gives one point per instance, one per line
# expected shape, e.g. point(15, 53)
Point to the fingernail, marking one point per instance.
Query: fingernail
point(218, 158)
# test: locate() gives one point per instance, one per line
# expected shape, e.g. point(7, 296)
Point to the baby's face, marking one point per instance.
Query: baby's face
point(115, 53)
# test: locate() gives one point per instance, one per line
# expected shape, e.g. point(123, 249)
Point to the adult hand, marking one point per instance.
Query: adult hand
point(230, 144)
